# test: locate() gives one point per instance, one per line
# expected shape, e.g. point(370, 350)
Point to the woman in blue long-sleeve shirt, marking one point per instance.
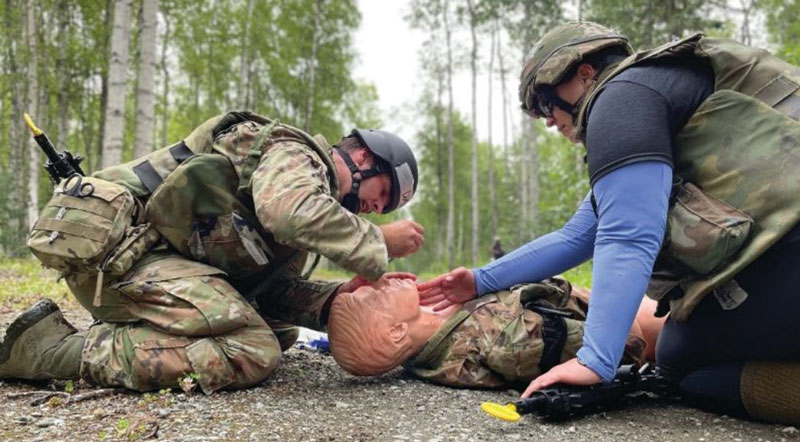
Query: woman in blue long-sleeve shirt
point(631, 124)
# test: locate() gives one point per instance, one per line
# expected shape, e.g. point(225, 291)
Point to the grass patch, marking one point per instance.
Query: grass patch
point(25, 281)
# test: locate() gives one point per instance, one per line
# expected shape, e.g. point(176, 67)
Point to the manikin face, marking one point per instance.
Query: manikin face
point(570, 91)
point(398, 298)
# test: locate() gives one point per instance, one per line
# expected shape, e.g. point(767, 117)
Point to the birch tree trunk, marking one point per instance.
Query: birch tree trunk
point(312, 64)
point(15, 206)
point(451, 200)
point(244, 58)
point(62, 75)
point(505, 96)
point(165, 84)
point(492, 190)
point(117, 82)
point(145, 104)
point(474, 68)
point(33, 95)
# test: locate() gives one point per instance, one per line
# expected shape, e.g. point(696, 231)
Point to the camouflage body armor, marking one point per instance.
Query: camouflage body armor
point(198, 196)
point(741, 148)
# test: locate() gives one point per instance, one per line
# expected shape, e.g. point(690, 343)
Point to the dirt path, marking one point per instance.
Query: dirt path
point(310, 399)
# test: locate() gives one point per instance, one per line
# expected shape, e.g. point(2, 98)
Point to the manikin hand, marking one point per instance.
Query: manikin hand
point(358, 281)
point(570, 372)
point(454, 287)
point(402, 237)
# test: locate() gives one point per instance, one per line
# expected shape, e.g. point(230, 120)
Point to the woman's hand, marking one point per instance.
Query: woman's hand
point(570, 373)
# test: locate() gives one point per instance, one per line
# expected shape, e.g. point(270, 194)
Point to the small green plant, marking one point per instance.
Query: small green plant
point(69, 387)
point(102, 435)
point(188, 382)
point(121, 426)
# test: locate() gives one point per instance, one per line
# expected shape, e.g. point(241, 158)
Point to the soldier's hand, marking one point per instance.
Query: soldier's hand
point(402, 237)
point(570, 373)
point(359, 281)
point(454, 287)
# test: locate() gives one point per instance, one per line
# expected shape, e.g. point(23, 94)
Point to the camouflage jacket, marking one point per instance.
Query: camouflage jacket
point(253, 197)
point(741, 149)
point(509, 338)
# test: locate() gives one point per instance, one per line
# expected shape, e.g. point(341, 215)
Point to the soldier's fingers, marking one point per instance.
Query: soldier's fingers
point(418, 227)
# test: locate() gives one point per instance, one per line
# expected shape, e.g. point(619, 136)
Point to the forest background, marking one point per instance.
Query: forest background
point(112, 80)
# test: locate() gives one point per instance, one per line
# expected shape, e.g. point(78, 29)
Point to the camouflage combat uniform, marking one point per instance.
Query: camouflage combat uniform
point(510, 337)
point(237, 213)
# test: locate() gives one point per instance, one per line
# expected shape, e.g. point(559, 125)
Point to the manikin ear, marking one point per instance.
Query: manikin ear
point(398, 331)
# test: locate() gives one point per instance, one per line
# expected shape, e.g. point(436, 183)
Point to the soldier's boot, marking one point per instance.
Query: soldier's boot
point(771, 391)
point(41, 345)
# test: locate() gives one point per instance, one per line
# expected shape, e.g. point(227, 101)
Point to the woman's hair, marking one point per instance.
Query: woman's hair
point(360, 336)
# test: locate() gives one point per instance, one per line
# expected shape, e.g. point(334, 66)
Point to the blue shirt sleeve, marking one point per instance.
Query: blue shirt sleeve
point(543, 257)
point(632, 207)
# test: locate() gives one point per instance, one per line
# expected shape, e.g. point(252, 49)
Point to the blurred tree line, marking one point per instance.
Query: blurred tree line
point(114, 79)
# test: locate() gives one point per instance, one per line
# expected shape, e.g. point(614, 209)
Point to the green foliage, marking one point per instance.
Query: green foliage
point(25, 281)
point(655, 21)
point(783, 24)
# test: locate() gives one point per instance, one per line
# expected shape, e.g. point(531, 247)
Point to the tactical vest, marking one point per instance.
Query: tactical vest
point(197, 194)
point(741, 148)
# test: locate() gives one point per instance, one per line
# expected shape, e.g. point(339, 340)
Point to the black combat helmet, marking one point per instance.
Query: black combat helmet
point(397, 155)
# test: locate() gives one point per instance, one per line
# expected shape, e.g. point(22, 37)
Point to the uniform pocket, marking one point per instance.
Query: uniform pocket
point(229, 242)
point(703, 233)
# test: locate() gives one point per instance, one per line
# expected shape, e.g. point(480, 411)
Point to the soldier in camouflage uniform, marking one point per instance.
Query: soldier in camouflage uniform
point(230, 215)
point(503, 339)
point(693, 152)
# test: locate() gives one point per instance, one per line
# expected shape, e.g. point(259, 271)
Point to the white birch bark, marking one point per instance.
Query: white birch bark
point(117, 85)
point(475, 198)
point(451, 203)
point(312, 64)
point(244, 60)
point(492, 184)
point(34, 165)
point(145, 98)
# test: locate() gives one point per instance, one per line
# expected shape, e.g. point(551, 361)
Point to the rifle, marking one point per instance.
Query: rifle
point(60, 165)
point(564, 402)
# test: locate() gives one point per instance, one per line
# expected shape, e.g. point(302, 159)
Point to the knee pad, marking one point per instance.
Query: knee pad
point(771, 391)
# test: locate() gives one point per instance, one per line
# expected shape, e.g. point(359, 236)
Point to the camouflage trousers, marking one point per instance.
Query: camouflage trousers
point(170, 317)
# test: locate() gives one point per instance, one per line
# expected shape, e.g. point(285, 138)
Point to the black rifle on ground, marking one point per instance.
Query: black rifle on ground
point(60, 165)
point(564, 402)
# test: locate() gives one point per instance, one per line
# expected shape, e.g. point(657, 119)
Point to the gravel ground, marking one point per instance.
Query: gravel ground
point(310, 399)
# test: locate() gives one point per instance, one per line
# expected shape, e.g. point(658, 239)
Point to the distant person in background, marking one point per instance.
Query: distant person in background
point(693, 153)
point(497, 249)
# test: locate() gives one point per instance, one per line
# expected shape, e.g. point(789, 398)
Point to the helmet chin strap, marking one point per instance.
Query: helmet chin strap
point(350, 200)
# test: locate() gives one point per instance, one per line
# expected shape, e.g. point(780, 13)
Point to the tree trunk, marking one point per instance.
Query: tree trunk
point(475, 199)
point(165, 84)
point(15, 205)
point(145, 104)
point(62, 75)
point(492, 190)
point(505, 97)
point(440, 220)
point(312, 64)
point(451, 203)
point(244, 58)
point(117, 84)
point(33, 98)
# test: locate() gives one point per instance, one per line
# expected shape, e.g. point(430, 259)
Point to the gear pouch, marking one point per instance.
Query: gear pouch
point(703, 232)
point(81, 224)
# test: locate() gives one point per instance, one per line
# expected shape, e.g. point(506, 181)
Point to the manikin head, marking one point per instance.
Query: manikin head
point(376, 328)
point(377, 171)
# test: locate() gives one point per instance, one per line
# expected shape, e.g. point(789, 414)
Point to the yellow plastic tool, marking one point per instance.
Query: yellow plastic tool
point(36, 131)
point(506, 412)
